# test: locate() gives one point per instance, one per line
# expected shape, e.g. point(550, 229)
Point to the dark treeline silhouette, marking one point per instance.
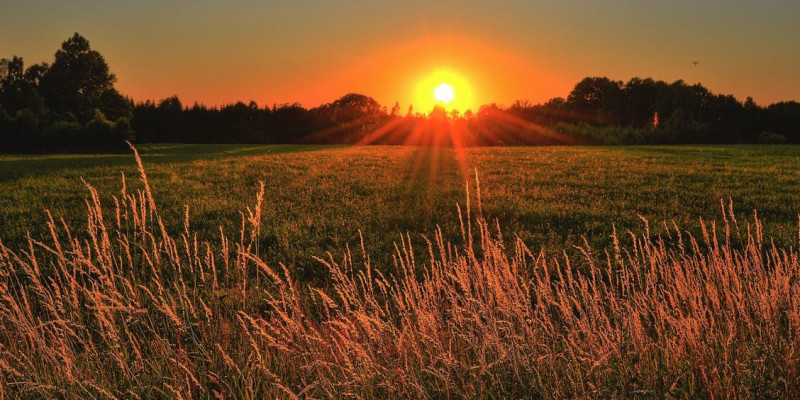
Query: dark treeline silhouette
point(649, 111)
point(71, 105)
point(68, 105)
point(597, 111)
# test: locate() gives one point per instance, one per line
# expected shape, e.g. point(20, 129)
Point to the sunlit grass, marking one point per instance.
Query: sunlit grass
point(319, 197)
point(143, 306)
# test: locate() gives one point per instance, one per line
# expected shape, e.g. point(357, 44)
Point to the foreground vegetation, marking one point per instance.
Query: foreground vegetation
point(131, 310)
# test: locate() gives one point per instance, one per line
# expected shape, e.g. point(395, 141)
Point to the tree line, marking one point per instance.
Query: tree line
point(597, 111)
point(72, 105)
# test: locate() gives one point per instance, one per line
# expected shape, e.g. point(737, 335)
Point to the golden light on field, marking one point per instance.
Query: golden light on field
point(443, 87)
point(444, 93)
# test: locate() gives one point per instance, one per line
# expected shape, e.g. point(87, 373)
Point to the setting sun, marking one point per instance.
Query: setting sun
point(447, 87)
point(377, 199)
point(444, 93)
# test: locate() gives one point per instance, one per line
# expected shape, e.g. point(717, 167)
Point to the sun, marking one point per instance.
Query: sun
point(443, 87)
point(444, 93)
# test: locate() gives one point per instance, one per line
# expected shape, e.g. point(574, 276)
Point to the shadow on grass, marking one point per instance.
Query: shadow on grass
point(18, 166)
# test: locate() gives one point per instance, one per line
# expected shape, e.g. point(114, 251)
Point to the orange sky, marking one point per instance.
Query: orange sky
point(314, 51)
point(409, 71)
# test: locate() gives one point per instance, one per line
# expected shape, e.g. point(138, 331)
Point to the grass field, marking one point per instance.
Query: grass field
point(150, 303)
point(318, 198)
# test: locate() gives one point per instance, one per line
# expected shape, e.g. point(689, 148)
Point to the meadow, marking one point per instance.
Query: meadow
point(318, 198)
point(375, 272)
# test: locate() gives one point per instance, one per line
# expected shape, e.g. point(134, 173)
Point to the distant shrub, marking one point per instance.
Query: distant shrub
point(585, 133)
point(20, 132)
point(6, 134)
point(771, 138)
point(104, 134)
point(122, 129)
point(26, 122)
point(67, 134)
point(65, 131)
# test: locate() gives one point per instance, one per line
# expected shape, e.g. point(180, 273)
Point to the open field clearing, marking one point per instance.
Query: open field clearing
point(148, 304)
point(317, 198)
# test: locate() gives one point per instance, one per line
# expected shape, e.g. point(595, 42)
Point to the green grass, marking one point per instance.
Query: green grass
point(319, 197)
point(136, 311)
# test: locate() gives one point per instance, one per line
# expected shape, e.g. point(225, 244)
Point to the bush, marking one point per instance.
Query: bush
point(104, 134)
point(22, 130)
point(771, 138)
point(585, 133)
point(28, 131)
point(61, 135)
point(99, 134)
point(7, 136)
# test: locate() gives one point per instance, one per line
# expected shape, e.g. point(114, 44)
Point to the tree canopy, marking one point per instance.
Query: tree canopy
point(67, 105)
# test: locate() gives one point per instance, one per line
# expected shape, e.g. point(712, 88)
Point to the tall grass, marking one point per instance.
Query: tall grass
point(128, 310)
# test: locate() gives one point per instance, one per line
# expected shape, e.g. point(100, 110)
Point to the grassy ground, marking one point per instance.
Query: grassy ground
point(319, 197)
point(142, 310)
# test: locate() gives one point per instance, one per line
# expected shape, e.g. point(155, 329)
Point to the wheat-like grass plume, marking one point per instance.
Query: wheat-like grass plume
point(131, 310)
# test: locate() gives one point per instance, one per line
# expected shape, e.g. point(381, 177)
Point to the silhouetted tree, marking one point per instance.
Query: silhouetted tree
point(784, 119)
point(18, 86)
point(80, 81)
point(348, 119)
point(597, 100)
point(291, 123)
point(641, 96)
point(438, 113)
point(69, 105)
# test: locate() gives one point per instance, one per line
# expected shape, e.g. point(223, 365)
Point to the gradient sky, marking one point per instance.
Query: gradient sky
point(314, 51)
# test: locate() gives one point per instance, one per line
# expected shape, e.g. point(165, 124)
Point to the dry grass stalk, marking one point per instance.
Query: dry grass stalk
point(126, 311)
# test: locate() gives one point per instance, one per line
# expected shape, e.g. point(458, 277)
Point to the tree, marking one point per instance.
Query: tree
point(598, 100)
point(354, 104)
point(348, 119)
point(77, 80)
point(438, 113)
point(641, 96)
point(11, 70)
point(170, 114)
point(784, 118)
point(114, 105)
point(18, 86)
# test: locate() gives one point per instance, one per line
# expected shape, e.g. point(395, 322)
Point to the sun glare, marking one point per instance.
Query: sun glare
point(443, 87)
point(444, 93)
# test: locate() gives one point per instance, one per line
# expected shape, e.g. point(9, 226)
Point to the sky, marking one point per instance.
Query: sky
point(314, 51)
